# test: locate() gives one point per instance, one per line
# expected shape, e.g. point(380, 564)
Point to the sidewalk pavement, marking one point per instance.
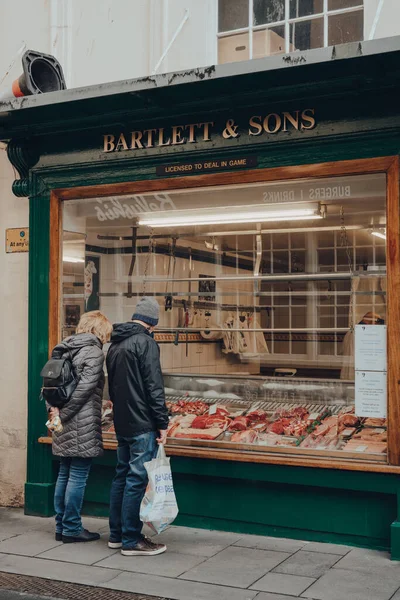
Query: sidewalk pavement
point(201, 564)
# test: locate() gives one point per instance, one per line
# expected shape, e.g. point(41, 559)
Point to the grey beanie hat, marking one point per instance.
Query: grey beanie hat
point(147, 310)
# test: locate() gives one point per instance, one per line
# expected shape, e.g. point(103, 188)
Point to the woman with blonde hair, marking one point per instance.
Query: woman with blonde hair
point(80, 439)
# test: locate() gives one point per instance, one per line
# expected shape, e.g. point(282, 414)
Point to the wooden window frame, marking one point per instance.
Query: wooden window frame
point(388, 165)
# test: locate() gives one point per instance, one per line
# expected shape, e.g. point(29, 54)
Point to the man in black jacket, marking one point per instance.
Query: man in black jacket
point(140, 419)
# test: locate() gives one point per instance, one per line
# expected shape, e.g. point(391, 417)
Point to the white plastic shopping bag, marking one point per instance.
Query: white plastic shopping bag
point(159, 508)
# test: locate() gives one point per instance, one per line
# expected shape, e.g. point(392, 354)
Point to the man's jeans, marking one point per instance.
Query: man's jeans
point(129, 486)
point(69, 492)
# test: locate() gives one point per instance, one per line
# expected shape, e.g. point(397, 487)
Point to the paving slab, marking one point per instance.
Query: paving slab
point(283, 583)
point(14, 521)
point(61, 571)
point(6, 536)
point(326, 548)
point(307, 564)
point(83, 554)
point(396, 596)
point(272, 596)
point(29, 544)
point(169, 564)
point(235, 566)
point(176, 589)
point(339, 584)
point(199, 542)
point(370, 561)
point(270, 543)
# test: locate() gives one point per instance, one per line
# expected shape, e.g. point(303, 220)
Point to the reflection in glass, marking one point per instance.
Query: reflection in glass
point(254, 304)
point(305, 8)
point(268, 11)
point(233, 14)
point(340, 4)
point(306, 35)
point(348, 27)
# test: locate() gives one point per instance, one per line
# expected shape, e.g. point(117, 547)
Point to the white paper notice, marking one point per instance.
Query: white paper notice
point(370, 394)
point(370, 348)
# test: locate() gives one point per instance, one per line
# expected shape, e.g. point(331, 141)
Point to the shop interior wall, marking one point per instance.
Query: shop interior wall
point(203, 357)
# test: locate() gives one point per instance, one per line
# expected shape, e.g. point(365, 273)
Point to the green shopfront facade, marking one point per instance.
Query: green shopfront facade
point(179, 186)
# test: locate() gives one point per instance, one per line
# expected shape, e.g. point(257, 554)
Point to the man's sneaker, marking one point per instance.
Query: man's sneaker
point(144, 547)
point(58, 537)
point(84, 536)
point(114, 545)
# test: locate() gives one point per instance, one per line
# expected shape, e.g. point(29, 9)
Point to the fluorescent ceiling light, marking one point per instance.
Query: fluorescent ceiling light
point(379, 233)
point(229, 215)
point(73, 259)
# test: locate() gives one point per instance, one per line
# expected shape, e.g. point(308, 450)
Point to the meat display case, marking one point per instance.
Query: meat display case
point(284, 415)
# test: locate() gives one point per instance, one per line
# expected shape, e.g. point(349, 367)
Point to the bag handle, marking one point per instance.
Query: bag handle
point(161, 451)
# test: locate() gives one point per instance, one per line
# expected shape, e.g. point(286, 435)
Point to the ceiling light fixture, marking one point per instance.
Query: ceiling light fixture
point(380, 233)
point(73, 259)
point(241, 214)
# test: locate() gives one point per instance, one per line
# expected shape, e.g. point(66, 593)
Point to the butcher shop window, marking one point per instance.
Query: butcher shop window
point(256, 28)
point(261, 289)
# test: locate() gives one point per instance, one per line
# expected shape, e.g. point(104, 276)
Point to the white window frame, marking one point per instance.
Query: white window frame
point(286, 23)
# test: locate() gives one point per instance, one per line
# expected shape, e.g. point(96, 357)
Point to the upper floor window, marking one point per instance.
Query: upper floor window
point(256, 28)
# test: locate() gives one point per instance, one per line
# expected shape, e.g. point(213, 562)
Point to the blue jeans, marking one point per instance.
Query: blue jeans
point(69, 492)
point(129, 486)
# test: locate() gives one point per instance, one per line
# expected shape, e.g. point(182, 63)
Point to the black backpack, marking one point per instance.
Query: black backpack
point(59, 377)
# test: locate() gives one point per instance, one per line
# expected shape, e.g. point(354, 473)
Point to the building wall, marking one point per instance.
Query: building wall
point(96, 41)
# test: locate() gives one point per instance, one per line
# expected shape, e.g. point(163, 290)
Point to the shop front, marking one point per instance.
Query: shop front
point(261, 209)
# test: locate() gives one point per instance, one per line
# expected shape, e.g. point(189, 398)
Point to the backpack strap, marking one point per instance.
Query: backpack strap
point(60, 350)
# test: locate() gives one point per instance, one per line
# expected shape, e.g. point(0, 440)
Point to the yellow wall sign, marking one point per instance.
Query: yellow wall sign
point(17, 240)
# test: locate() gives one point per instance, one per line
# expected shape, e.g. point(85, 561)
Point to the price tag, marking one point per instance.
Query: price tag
point(212, 410)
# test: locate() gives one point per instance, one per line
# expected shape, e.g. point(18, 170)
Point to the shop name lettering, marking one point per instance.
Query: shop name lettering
point(272, 124)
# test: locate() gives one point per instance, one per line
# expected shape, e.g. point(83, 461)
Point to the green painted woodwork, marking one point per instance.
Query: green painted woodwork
point(317, 504)
point(39, 487)
point(274, 501)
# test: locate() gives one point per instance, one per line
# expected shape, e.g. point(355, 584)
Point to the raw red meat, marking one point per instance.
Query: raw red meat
point(221, 412)
point(258, 426)
point(349, 420)
point(210, 421)
point(292, 412)
point(200, 422)
point(257, 415)
point(244, 437)
point(322, 429)
point(216, 421)
point(189, 407)
point(276, 427)
point(239, 424)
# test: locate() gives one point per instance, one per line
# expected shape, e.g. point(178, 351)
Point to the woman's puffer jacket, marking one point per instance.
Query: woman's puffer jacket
point(81, 416)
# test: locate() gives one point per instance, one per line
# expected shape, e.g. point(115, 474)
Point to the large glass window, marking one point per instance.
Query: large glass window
point(257, 28)
point(266, 291)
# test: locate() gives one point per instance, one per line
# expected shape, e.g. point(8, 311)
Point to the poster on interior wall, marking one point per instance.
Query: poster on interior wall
point(207, 285)
point(370, 391)
point(92, 283)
